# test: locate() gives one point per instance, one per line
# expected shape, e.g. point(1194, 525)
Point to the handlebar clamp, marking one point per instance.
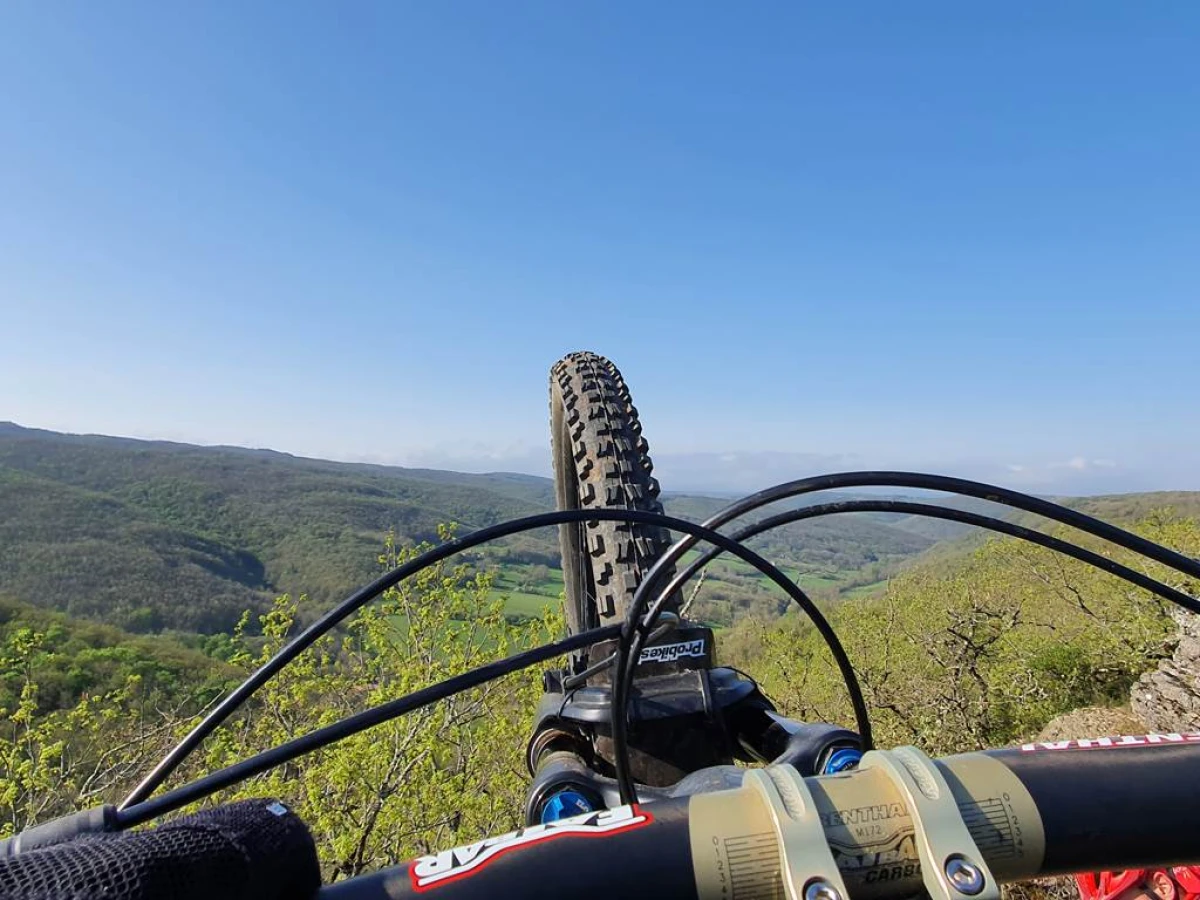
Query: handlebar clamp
point(807, 865)
point(952, 866)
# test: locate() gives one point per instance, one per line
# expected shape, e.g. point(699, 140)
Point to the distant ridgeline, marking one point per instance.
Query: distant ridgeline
point(154, 536)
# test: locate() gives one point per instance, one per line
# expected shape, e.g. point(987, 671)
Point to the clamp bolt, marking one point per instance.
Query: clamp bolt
point(819, 889)
point(964, 875)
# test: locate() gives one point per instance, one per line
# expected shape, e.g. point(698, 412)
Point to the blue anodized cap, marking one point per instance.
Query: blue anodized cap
point(842, 760)
point(564, 804)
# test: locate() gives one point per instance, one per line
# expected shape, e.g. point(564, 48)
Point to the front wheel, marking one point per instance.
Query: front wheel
point(601, 459)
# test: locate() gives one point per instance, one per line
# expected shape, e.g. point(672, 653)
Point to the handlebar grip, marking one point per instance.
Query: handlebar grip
point(1044, 809)
point(249, 850)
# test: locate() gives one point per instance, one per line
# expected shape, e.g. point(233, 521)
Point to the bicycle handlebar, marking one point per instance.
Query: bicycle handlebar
point(898, 824)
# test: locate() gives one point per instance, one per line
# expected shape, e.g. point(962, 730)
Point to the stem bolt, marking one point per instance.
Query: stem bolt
point(819, 889)
point(963, 874)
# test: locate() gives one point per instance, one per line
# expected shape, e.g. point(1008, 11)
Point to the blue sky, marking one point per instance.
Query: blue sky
point(952, 236)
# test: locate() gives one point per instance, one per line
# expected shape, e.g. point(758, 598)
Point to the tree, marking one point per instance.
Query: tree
point(68, 759)
point(979, 653)
point(446, 774)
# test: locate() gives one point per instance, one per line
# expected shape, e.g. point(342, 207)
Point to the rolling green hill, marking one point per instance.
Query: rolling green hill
point(155, 536)
point(152, 535)
point(956, 542)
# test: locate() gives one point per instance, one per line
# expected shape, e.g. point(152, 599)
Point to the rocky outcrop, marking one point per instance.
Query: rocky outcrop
point(1168, 698)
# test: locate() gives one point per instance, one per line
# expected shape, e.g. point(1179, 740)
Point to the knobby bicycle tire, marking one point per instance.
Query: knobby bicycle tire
point(601, 459)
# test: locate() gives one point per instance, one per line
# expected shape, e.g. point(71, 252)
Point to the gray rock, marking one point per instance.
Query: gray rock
point(1168, 698)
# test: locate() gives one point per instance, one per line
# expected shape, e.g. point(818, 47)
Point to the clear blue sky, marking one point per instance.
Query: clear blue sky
point(813, 236)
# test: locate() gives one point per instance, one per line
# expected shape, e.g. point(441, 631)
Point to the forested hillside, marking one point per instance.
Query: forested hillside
point(151, 535)
point(154, 536)
point(982, 648)
point(70, 657)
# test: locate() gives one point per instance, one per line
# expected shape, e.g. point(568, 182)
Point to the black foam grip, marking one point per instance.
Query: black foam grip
point(250, 849)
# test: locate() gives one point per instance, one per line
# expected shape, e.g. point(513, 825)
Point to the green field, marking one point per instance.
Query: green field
point(811, 582)
point(865, 590)
point(528, 590)
point(532, 605)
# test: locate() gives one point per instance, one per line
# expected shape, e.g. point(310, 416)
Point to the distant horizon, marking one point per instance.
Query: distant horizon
point(691, 464)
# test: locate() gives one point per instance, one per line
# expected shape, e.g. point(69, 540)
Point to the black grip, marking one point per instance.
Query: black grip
point(251, 849)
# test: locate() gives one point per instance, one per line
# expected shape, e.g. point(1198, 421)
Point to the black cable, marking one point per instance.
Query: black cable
point(979, 490)
point(637, 625)
point(389, 579)
point(631, 640)
point(314, 740)
point(954, 515)
point(634, 632)
point(322, 626)
point(948, 484)
point(931, 511)
point(573, 681)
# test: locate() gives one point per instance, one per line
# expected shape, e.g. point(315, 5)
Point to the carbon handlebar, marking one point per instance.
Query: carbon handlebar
point(901, 823)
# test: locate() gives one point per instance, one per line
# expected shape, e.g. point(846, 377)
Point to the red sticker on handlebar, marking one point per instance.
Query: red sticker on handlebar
point(451, 865)
point(1111, 743)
